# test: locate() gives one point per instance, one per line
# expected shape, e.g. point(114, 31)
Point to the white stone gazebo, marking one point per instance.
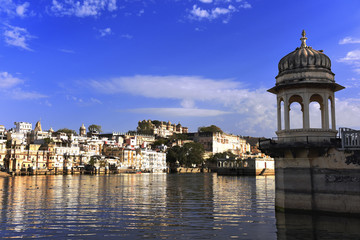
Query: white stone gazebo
point(304, 77)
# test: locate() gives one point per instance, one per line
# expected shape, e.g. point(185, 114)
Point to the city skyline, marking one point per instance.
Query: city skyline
point(199, 62)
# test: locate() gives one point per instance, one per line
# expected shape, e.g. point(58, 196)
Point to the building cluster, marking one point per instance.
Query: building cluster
point(161, 129)
point(24, 149)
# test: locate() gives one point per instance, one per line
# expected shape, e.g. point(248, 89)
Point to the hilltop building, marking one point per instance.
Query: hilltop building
point(160, 128)
point(82, 131)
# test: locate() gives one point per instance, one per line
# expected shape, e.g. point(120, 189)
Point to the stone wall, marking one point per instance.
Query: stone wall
point(318, 180)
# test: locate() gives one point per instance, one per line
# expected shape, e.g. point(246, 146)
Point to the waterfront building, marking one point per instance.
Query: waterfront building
point(3, 153)
point(315, 169)
point(218, 142)
point(152, 161)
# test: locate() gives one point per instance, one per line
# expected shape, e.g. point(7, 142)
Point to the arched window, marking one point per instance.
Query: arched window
point(330, 103)
point(296, 114)
point(316, 111)
point(315, 115)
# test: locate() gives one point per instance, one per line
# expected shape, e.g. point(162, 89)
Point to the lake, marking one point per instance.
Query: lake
point(155, 206)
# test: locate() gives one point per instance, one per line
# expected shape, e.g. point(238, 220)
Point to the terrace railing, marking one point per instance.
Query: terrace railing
point(350, 138)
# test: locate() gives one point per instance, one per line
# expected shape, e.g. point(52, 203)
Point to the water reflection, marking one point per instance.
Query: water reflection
point(316, 226)
point(169, 206)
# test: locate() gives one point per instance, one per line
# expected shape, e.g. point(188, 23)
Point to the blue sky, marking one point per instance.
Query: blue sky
point(198, 62)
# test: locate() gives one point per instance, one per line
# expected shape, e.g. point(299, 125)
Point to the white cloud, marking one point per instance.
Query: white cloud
point(22, 9)
point(222, 9)
point(255, 108)
point(348, 40)
point(180, 112)
point(18, 37)
point(198, 13)
point(8, 81)
point(94, 100)
point(20, 94)
point(12, 9)
point(66, 50)
point(128, 36)
point(11, 87)
point(344, 109)
point(352, 58)
point(84, 8)
point(104, 32)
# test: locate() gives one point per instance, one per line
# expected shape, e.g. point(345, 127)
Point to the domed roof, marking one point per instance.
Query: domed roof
point(304, 57)
point(83, 127)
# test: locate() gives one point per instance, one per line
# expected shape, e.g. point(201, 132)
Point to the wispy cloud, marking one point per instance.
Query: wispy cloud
point(20, 94)
point(84, 8)
point(104, 32)
point(127, 36)
point(17, 36)
point(222, 9)
point(83, 102)
point(352, 58)
point(255, 108)
point(12, 9)
point(66, 50)
point(22, 9)
point(11, 87)
point(349, 40)
point(180, 112)
point(8, 81)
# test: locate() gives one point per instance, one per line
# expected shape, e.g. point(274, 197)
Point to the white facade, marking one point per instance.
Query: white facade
point(23, 127)
point(153, 161)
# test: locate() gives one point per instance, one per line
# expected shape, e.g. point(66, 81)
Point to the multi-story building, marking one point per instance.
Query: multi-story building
point(218, 142)
point(23, 127)
point(152, 161)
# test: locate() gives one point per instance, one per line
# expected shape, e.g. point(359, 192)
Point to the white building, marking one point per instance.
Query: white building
point(23, 127)
point(221, 142)
point(153, 161)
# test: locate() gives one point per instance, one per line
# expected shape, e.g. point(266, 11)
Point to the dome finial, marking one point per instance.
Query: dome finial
point(303, 39)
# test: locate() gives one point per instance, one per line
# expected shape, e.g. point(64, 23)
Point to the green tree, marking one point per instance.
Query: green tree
point(67, 131)
point(211, 128)
point(94, 127)
point(191, 153)
point(223, 155)
point(174, 154)
point(145, 127)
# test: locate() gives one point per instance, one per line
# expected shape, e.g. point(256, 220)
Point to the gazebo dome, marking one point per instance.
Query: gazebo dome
point(304, 58)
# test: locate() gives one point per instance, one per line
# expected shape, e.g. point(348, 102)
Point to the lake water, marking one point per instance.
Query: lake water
point(155, 206)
